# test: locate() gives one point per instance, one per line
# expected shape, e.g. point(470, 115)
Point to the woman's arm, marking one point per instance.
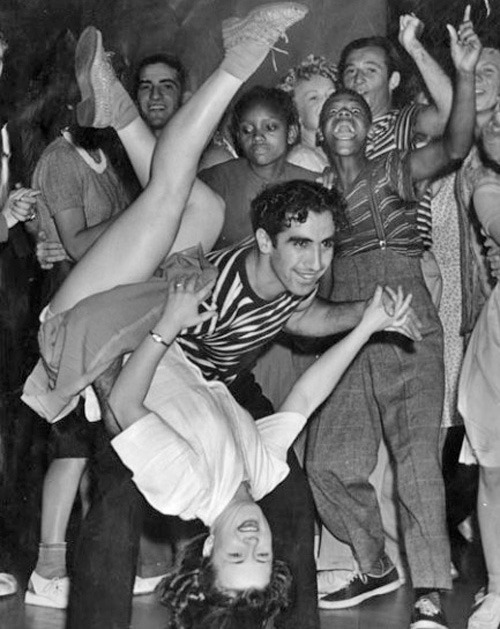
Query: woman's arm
point(316, 384)
point(132, 385)
point(74, 233)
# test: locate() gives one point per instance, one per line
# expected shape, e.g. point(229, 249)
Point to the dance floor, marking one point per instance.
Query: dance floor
point(386, 612)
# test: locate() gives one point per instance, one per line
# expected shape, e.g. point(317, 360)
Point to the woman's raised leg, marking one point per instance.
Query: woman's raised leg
point(132, 248)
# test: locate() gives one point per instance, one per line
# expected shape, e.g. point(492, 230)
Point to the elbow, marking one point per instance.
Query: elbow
point(455, 154)
point(74, 249)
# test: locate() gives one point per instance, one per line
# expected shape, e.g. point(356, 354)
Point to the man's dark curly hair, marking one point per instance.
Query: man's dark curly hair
point(279, 102)
point(196, 603)
point(279, 205)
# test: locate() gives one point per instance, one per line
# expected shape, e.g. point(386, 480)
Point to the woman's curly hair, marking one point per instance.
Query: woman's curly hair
point(311, 66)
point(196, 603)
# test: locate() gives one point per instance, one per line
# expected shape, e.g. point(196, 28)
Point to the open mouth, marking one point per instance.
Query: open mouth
point(249, 526)
point(344, 130)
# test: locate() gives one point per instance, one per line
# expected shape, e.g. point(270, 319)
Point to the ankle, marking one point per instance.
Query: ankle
point(381, 566)
point(51, 561)
point(124, 110)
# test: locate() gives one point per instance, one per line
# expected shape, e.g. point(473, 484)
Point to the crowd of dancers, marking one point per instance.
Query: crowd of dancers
point(251, 331)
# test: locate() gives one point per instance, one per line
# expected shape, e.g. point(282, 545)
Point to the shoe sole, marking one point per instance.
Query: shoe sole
point(427, 624)
point(30, 598)
point(232, 27)
point(352, 602)
point(85, 55)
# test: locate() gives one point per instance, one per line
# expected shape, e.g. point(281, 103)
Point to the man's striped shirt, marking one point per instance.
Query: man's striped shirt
point(227, 344)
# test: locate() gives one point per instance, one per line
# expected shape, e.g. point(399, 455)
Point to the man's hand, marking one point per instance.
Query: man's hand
point(410, 30)
point(465, 46)
point(49, 252)
point(20, 206)
point(411, 324)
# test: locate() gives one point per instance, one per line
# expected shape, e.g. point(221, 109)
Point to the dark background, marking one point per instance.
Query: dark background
point(191, 28)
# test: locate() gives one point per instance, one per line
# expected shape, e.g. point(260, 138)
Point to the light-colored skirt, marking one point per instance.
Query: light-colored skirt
point(479, 386)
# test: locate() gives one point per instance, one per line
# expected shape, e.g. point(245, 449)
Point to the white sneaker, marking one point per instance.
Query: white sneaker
point(47, 592)
point(8, 584)
point(146, 585)
point(486, 614)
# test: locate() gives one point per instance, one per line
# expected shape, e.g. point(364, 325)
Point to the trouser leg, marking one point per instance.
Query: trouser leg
point(107, 548)
point(410, 386)
point(341, 454)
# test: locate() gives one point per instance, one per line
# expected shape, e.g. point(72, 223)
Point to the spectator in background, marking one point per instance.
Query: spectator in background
point(309, 84)
point(159, 89)
point(17, 206)
point(372, 67)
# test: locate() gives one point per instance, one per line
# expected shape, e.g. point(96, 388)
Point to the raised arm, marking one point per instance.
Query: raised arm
point(316, 384)
point(431, 119)
point(132, 385)
point(457, 140)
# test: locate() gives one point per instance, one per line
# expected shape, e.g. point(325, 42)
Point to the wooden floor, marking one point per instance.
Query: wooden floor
point(386, 612)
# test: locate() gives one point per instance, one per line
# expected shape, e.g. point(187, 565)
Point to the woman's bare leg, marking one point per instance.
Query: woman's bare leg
point(132, 248)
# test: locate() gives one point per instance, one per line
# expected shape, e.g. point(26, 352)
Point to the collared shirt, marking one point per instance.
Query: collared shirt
point(203, 442)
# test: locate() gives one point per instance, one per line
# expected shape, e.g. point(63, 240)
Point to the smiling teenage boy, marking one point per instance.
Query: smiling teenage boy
point(390, 388)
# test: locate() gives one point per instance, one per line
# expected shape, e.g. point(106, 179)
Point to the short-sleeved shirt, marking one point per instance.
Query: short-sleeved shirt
point(381, 211)
point(225, 345)
point(190, 455)
point(67, 182)
point(238, 184)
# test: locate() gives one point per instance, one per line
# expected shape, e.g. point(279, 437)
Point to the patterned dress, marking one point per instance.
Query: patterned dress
point(446, 248)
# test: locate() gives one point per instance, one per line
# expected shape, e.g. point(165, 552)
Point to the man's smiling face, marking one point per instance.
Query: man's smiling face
point(158, 94)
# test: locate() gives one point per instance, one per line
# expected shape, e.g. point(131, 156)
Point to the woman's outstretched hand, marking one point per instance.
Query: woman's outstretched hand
point(394, 314)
